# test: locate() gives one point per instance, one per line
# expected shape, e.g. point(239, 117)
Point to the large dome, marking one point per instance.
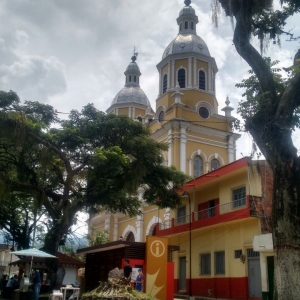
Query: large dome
point(131, 94)
point(184, 43)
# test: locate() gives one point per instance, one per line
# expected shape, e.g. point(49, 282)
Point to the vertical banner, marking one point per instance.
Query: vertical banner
point(156, 267)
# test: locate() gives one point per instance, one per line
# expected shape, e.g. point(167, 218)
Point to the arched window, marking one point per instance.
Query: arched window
point(134, 78)
point(198, 166)
point(129, 78)
point(201, 80)
point(130, 237)
point(180, 27)
point(186, 25)
point(165, 83)
point(192, 25)
point(139, 118)
point(215, 164)
point(181, 78)
point(161, 116)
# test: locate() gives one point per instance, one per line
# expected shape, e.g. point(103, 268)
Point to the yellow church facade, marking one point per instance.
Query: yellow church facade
point(226, 203)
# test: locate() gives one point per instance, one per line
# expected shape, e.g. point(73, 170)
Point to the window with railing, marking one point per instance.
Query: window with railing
point(181, 215)
point(205, 262)
point(220, 262)
point(239, 197)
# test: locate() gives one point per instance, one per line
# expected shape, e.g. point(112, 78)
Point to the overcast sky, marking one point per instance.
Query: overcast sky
point(68, 53)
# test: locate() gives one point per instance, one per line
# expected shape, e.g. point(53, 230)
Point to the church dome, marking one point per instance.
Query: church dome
point(131, 94)
point(187, 39)
point(187, 42)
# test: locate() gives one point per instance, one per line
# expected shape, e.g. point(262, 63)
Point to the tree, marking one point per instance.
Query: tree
point(100, 238)
point(18, 219)
point(272, 115)
point(88, 160)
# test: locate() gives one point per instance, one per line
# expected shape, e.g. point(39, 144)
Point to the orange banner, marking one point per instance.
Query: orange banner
point(156, 267)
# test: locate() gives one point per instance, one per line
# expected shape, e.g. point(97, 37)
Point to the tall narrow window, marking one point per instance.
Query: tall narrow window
point(192, 25)
point(134, 78)
point(165, 83)
point(220, 262)
point(201, 80)
point(181, 78)
point(215, 164)
point(205, 264)
point(198, 166)
point(129, 78)
point(186, 25)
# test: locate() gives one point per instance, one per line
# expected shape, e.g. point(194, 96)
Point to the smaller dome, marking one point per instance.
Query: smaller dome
point(132, 94)
point(187, 10)
point(133, 67)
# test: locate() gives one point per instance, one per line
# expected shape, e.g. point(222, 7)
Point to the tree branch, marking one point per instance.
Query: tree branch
point(290, 100)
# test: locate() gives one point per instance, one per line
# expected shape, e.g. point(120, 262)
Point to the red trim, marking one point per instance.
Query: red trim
point(225, 288)
point(226, 169)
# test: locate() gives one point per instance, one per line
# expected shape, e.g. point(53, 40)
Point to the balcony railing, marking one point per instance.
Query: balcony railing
point(205, 214)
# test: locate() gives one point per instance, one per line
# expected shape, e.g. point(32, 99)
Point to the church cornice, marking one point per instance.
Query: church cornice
point(177, 123)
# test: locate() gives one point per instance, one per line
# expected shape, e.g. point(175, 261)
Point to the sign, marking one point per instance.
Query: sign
point(156, 267)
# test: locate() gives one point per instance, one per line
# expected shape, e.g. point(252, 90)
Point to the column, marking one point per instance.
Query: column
point(139, 228)
point(107, 224)
point(170, 149)
point(129, 111)
point(230, 149)
point(209, 77)
point(173, 84)
point(133, 113)
point(190, 73)
point(160, 83)
point(183, 140)
point(167, 216)
point(116, 229)
point(169, 74)
point(195, 72)
point(190, 167)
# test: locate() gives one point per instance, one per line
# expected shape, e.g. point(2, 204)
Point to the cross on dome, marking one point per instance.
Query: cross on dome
point(187, 2)
point(135, 54)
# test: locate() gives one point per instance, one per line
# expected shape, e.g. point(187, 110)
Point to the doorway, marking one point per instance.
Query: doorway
point(254, 274)
point(182, 273)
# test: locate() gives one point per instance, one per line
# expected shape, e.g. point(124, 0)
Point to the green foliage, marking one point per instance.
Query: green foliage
point(88, 160)
point(255, 99)
point(101, 237)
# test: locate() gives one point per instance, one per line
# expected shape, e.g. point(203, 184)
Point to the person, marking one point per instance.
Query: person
point(139, 281)
point(37, 282)
point(127, 270)
point(11, 285)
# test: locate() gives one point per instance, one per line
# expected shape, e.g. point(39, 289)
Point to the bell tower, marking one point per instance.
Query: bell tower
point(187, 117)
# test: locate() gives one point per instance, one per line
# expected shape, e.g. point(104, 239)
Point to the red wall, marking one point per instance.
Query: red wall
point(170, 281)
point(228, 288)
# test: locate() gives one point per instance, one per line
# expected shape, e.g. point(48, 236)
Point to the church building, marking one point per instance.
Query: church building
point(226, 204)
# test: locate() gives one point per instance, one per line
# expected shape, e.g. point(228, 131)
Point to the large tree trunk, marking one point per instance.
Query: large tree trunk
point(271, 130)
point(286, 231)
point(52, 239)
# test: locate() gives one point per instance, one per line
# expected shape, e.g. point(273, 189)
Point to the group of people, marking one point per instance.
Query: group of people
point(13, 284)
point(139, 282)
